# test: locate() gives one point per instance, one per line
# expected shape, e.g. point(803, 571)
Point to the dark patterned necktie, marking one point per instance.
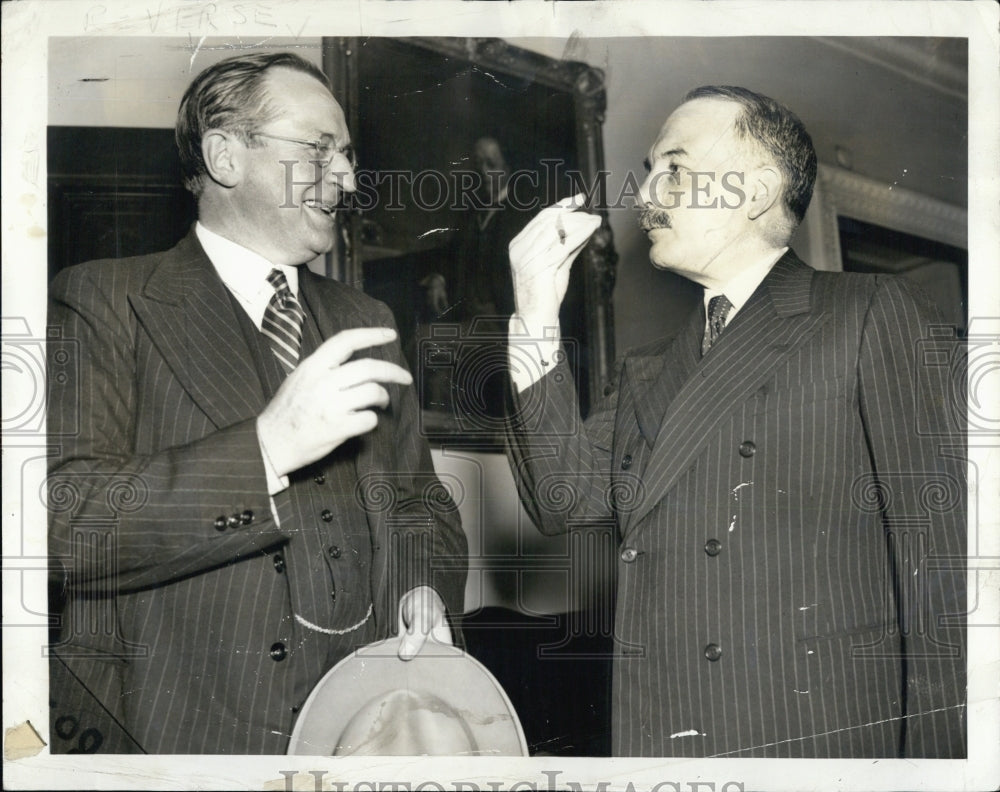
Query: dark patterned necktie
point(283, 322)
point(718, 308)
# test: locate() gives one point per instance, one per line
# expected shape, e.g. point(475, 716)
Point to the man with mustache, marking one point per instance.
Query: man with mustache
point(786, 587)
point(241, 496)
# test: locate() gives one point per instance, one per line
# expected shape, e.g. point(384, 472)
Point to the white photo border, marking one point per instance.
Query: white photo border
point(27, 26)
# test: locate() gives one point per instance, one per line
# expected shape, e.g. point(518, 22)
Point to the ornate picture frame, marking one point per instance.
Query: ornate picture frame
point(421, 111)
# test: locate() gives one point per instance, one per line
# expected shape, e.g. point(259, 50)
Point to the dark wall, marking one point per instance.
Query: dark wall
point(113, 192)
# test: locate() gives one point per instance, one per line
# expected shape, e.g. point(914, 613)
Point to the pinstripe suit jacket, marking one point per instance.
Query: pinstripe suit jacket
point(791, 511)
point(171, 621)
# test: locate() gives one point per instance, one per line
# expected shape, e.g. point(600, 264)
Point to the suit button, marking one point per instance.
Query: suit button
point(247, 517)
point(747, 449)
point(279, 562)
point(233, 521)
point(713, 652)
point(626, 462)
point(327, 515)
point(609, 389)
point(319, 478)
point(629, 554)
point(278, 652)
point(220, 523)
point(334, 552)
point(713, 547)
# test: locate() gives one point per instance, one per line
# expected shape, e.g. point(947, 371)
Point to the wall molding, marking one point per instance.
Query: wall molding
point(844, 193)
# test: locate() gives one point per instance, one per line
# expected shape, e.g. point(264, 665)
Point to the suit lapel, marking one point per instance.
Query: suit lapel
point(641, 375)
point(311, 291)
point(653, 383)
point(333, 315)
point(187, 312)
point(654, 380)
point(775, 321)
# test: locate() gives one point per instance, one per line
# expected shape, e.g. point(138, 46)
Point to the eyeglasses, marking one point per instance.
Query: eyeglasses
point(325, 148)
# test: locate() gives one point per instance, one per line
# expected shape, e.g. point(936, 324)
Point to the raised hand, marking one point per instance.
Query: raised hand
point(541, 256)
point(327, 400)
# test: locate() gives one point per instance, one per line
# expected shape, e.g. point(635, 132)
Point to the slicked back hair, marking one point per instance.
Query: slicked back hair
point(780, 133)
point(231, 95)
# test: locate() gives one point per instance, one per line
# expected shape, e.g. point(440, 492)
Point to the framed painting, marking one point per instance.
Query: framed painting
point(460, 141)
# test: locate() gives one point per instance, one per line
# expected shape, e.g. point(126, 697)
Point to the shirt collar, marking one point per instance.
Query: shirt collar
point(739, 288)
point(244, 272)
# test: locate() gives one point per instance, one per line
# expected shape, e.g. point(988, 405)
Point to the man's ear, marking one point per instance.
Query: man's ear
point(223, 162)
point(764, 190)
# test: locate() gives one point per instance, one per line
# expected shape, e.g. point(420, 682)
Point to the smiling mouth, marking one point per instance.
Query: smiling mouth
point(328, 208)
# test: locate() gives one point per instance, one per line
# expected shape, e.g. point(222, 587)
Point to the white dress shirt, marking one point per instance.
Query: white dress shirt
point(244, 272)
point(739, 289)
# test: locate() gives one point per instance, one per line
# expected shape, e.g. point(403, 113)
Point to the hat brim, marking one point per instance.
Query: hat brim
point(441, 670)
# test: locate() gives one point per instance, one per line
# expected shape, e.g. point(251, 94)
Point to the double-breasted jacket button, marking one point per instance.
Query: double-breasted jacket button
point(327, 515)
point(747, 449)
point(629, 554)
point(246, 517)
point(626, 462)
point(713, 547)
point(279, 562)
point(334, 551)
point(319, 478)
point(278, 651)
point(220, 523)
point(713, 652)
point(233, 521)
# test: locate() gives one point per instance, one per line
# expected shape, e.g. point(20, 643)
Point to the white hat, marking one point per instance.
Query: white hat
point(441, 703)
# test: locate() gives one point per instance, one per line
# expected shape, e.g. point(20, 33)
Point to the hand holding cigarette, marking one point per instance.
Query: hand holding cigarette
point(539, 266)
point(561, 229)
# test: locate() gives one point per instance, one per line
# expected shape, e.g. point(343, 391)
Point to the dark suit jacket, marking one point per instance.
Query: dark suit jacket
point(178, 624)
point(791, 510)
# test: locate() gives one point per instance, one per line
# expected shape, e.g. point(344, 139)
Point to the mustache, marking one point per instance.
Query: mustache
point(650, 218)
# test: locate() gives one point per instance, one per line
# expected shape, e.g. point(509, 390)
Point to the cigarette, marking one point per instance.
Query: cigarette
point(561, 229)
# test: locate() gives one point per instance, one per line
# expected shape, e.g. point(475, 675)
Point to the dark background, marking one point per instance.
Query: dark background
point(113, 192)
point(941, 271)
point(420, 111)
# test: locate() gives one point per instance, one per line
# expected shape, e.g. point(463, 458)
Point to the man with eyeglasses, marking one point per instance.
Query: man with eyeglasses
point(246, 498)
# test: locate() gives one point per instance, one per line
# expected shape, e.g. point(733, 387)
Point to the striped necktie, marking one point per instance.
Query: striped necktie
point(718, 309)
point(283, 320)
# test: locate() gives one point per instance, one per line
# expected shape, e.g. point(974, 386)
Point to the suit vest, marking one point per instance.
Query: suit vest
point(327, 560)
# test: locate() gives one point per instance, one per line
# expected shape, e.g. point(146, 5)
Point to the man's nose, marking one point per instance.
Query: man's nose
point(340, 173)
